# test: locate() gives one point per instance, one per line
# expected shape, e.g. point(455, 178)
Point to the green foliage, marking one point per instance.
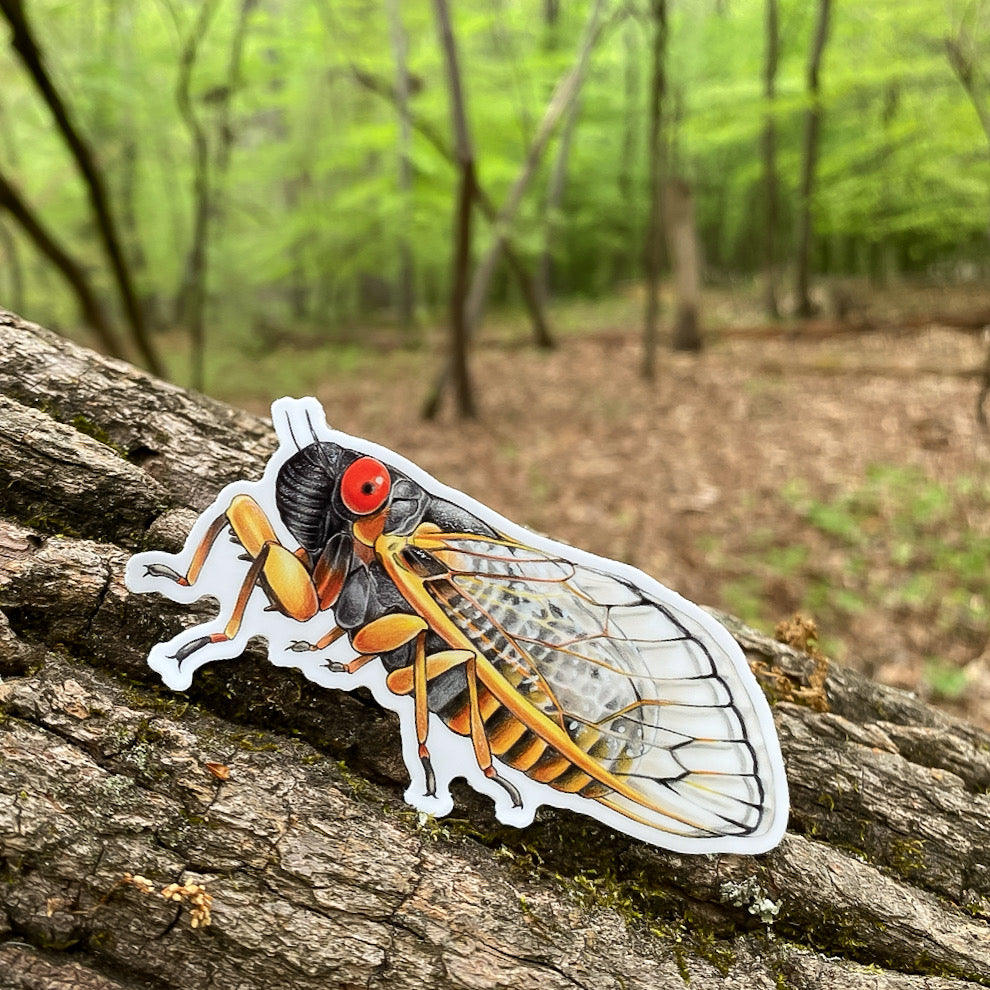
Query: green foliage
point(915, 546)
point(311, 217)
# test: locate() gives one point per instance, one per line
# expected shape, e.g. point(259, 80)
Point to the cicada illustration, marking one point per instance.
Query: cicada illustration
point(542, 674)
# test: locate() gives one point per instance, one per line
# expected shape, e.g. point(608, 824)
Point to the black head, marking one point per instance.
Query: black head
point(323, 488)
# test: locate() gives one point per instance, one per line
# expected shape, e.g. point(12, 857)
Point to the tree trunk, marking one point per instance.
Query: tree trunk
point(284, 800)
point(74, 274)
point(464, 152)
point(554, 204)
point(964, 63)
point(23, 42)
point(683, 237)
point(400, 47)
point(809, 157)
point(628, 256)
point(769, 155)
point(563, 97)
point(527, 290)
point(191, 300)
point(13, 286)
point(655, 170)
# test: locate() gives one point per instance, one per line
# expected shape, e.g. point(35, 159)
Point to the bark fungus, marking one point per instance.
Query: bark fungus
point(270, 812)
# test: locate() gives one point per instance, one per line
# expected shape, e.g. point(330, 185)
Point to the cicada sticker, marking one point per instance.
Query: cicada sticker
point(542, 674)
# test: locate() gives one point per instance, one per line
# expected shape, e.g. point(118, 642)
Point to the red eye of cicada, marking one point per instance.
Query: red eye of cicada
point(364, 486)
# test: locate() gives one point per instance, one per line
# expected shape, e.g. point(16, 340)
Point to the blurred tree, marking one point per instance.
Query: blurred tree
point(809, 156)
point(523, 280)
point(562, 99)
point(965, 53)
point(679, 222)
point(73, 272)
point(464, 151)
point(191, 301)
point(656, 162)
point(24, 43)
point(406, 280)
point(771, 60)
point(208, 176)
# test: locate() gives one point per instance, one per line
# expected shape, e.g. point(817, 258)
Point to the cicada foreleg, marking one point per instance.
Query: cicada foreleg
point(287, 580)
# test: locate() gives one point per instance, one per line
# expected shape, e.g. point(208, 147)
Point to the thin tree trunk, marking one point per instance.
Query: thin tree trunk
point(566, 91)
point(285, 800)
point(963, 62)
point(464, 152)
point(12, 266)
point(224, 129)
point(561, 101)
point(630, 139)
point(89, 306)
point(655, 161)
point(191, 299)
point(26, 46)
point(769, 149)
point(812, 125)
point(555, 199)
point(525, 284)
point(683, 238)
point(400, 46)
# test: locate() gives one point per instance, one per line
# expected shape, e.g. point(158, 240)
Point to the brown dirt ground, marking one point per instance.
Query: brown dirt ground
point(687, 477)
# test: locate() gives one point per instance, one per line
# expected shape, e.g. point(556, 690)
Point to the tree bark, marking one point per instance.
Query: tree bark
point(24, 43)
point(284, 800)
point(809, 157)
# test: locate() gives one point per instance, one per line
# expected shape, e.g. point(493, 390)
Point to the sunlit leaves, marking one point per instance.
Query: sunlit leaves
point(312, 196)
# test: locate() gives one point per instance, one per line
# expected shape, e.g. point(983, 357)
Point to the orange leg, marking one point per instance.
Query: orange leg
point(199, 557)
point(414, 679)
point(289, 582)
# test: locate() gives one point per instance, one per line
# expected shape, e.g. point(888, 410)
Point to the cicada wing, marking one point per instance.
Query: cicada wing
point(651, 687)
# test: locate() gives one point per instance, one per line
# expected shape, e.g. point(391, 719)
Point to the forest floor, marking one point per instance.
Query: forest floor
point(845, 477)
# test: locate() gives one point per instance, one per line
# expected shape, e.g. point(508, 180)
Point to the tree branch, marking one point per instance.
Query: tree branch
point(72, 271)
point(26, 46)
point(432, 135)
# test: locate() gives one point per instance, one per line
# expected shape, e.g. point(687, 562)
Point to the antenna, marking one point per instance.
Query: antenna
point(288, 420)
point(312, 429)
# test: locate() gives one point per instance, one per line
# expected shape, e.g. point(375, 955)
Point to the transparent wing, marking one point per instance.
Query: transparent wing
point(636, 682)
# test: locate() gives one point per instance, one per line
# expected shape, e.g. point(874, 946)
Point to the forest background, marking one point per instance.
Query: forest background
point(261, 198)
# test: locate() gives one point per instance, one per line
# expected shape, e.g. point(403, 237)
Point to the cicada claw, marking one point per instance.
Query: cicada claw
point(183, 652)
point(300, 646)
point(163, 570)
point(431, 777)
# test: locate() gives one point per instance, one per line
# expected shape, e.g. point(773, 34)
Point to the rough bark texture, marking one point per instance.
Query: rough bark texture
point(285, 800)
